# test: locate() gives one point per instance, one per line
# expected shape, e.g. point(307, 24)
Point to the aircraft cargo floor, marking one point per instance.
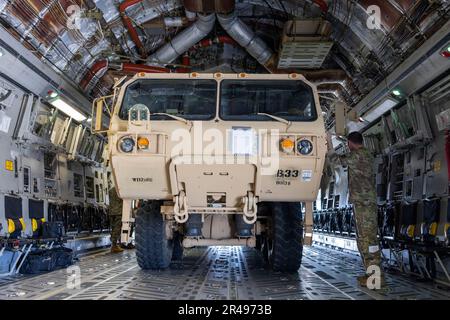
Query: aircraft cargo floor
point(215, 273)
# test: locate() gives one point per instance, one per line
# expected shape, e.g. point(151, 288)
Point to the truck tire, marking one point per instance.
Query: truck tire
point(286, 245)
point(177, 254)
point(153, 249)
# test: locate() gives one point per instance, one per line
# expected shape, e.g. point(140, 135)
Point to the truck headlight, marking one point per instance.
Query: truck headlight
point(304, 147)
point(126, 144)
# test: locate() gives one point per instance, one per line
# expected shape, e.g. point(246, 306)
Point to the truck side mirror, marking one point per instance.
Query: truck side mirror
point(340, 111)
point(98, 115)
point(98, 105)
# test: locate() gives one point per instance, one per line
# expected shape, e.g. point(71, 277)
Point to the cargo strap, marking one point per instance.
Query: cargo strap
point(308, 224)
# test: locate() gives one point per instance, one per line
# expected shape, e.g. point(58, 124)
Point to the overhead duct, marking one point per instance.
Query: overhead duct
point(209, 6)
point(99, 68)
point(184, 40)
point(169, 52)
point(209, 42)
point(331, 76)
point(191, 16)
point(129, 22)
point(322, 4)
point(326, 76)
point(135, 68)
point(334, 89)
point(243, 35)
point(175, 22)
point(129, 25)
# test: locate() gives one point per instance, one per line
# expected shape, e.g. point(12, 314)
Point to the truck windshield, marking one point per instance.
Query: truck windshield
point(249, 100)
point(189, 99)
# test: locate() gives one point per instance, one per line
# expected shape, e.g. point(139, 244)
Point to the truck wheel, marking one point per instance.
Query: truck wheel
point(265, 249)
point(153, 249)
point(286, 245)
point(178, 249)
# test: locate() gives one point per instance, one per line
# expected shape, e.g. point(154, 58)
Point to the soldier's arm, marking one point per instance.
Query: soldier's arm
point(331, 153)
point(332, 156)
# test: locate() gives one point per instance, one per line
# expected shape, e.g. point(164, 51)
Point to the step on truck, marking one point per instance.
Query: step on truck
point(216, 160)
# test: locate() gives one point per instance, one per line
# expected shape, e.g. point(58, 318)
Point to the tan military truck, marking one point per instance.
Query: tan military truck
point(217, 159)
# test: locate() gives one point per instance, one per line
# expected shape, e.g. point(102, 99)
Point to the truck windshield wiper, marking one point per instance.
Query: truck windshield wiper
point(171, 116)
point(274, 118)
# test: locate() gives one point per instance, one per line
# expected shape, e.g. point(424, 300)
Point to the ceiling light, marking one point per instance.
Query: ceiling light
point(69, 110)
point(446, 51)
point(1, 52)
point(381, 109)
point(397, 93)
point(52, 94)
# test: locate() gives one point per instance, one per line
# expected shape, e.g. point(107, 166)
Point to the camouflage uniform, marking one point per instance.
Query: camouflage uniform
point(115, 215)
point(362, 195)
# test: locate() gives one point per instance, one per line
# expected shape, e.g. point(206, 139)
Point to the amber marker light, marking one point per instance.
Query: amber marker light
point(143, 143)
point(287, 145)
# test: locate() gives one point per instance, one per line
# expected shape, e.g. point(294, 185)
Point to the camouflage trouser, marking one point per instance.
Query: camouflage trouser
point(116, 227)
point(366, 220)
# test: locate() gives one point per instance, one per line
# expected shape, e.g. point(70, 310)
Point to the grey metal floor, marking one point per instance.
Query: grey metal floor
point(215, 273)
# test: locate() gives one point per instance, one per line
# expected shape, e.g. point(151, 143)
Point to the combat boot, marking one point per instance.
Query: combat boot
point(116, 248)
point(127, 246)
point(384, 287)
point(362, 280)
